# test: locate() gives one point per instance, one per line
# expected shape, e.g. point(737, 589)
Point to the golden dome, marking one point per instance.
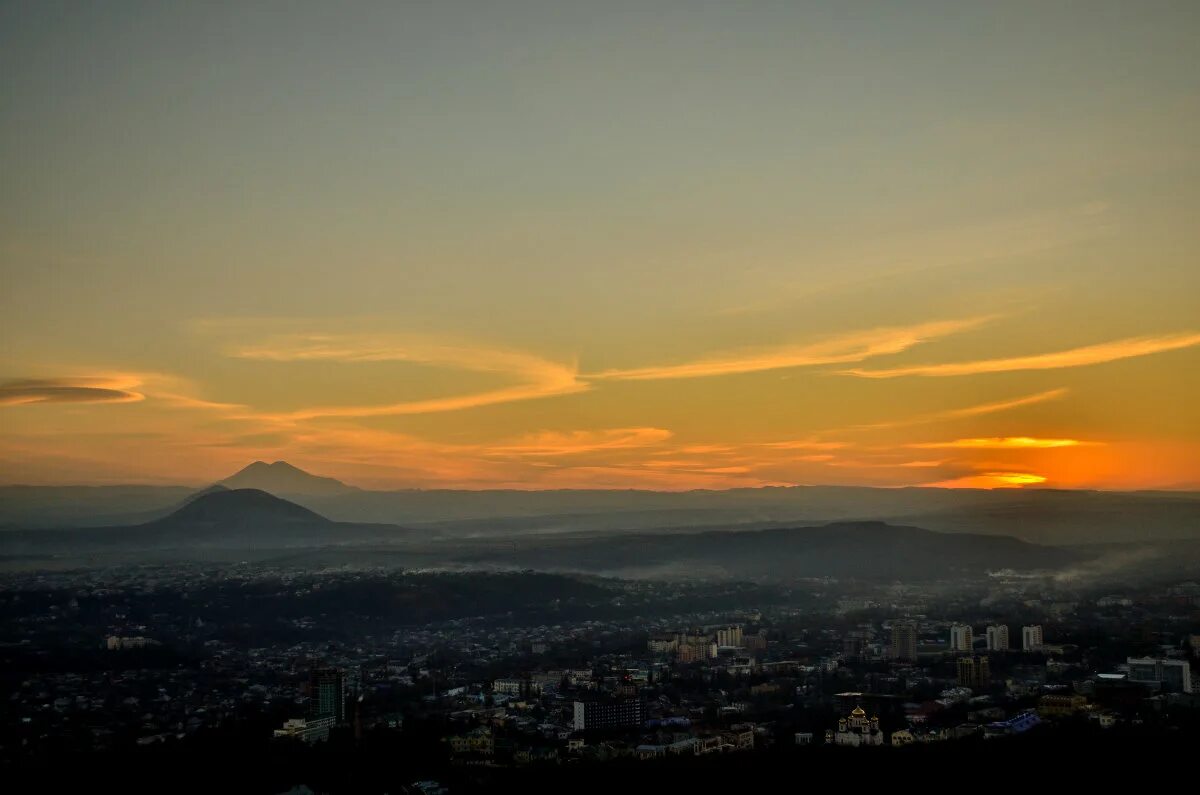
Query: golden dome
point(858, 712)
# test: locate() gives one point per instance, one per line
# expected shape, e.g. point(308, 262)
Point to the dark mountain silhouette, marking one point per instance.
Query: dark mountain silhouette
point(216, 488)
point(283, 479)
point(220, 519)
point(858, 550)
point(238, 508)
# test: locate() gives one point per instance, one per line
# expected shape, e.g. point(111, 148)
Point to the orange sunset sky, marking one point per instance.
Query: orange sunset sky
point(604, 245)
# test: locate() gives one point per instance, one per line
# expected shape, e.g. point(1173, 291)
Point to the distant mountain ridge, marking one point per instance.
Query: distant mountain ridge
point(281, 478)
point(219, 524)
point(853, 550)
point(1044, 516)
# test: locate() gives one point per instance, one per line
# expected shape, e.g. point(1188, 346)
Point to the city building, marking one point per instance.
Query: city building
point(904, 641)
point(517, 687)
point(1056, 706)
point(997, 637)
point(118, 643)
point(308, 730)
point(730, 636)
point(755, 642)
point(1014, 725)
point(974, 672)
point(856, 730)
point(853, 646)
point(327, 694)
point(1031, 638)
point(1172, 676)
point(479, 741)
point(962, 637)
point(662, 644)
point(618, 714)
point(696, 649)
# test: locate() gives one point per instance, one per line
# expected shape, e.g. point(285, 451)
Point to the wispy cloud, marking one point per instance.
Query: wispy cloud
point(1003, 443)
point(697, 466)
point(805, 444)
point(539, 377)
point(83, 389)
point(858, 463)
point(188, 402)
point(579, 442)
point(1001, 405)
point(853, 347)
point(1075, 357)
point(543, 460)
point(967, 411)
point(546, 388)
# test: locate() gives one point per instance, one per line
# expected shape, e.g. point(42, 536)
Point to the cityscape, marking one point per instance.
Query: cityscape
point(521, 671)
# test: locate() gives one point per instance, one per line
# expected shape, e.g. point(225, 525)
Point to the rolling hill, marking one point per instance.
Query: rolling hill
point(858, 550)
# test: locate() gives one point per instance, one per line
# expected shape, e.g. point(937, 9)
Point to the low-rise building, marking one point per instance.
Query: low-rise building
point(856, 730)
point(309, 730)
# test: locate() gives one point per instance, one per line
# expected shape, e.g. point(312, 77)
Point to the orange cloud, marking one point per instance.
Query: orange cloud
point(186, 402)
point(967, 411)
point(1003, 443)
point(577, 442)
point(635, 477)
point(1002, 405)
point(540, 377)
point(1076, 357)
point(805, 444)
point(696, 466)
point(854, 347)
point(859, 464)
point(701, 449)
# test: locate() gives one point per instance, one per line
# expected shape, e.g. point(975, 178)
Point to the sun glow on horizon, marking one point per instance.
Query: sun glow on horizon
point(990, 480)
point(1003, 443)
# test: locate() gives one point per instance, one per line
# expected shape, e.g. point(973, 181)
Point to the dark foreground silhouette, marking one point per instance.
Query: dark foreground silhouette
point(244, 759)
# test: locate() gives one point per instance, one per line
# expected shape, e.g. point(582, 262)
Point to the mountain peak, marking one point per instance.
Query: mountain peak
point(282, 478)
point(240, 507)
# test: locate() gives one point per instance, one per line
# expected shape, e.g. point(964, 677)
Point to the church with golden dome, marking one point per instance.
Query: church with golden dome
point(856, 730)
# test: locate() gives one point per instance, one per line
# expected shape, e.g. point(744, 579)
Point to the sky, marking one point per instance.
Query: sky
point(664, 245)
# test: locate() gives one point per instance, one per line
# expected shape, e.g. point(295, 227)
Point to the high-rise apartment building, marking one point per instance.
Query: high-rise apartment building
point(1031, 638)
point(904, 641)
point(962, 638)
point(730, 636)
point(974, 672)
point(997, 637)
point(327, 694)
